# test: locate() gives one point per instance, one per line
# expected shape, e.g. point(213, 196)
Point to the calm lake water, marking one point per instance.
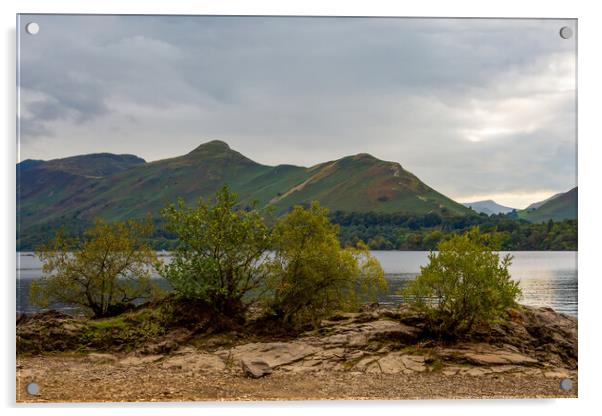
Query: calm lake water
point(547, 278)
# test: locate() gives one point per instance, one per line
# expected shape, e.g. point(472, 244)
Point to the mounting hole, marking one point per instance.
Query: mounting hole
point(33, 389)
point(566, 32)
point(566, 384)
point(32, 28)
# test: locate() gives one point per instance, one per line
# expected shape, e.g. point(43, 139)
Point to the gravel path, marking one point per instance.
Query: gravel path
point(77, 379)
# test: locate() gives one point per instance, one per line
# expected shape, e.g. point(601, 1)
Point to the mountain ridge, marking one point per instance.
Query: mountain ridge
point(117, 187)
point(538, 204)
point(561, 206)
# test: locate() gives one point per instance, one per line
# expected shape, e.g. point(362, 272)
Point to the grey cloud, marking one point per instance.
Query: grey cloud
point(304, 90)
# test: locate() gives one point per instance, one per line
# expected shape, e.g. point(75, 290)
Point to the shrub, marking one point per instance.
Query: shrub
point(464, 284)
point(310, 275)
point(219, 252)
point(101, 274)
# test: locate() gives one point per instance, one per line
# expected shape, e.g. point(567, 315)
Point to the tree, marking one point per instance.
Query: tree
point(310, 275)
point(102, 273)
point(464, 284)
point(218, 258)
point(432, 239)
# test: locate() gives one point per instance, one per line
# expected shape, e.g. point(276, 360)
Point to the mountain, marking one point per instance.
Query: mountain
point(536, 205)
point(92, 165)
point(560, 207)
point(117, 187)
point(488, 207)
point(42, 185)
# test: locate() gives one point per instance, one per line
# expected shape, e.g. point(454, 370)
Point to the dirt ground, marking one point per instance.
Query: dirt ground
point(77, 379)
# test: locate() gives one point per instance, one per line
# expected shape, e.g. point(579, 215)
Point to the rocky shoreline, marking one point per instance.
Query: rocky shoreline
point(380, 352)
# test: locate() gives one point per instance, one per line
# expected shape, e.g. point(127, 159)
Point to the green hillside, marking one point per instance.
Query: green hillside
point(362, 183)
point(75, 190)
point(537, 204)
point(561, 207)
point(43, 188)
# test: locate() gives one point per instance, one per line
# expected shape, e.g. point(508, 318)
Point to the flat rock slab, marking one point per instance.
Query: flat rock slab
point(515, 370)
point(476, 371)
point(557, 373)
point(358, 335)
point(393, 363)
point(255, 368)
point(485, 355)
point(274, 354)
point(499, 358)
point(198, 362)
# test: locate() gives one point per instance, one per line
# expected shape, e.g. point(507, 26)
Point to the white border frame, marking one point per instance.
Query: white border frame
point(589, 70)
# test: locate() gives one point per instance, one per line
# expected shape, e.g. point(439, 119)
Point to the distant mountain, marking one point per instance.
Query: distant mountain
point(488, 207)
point(536, 205)
point(560, 207)
point(117, 187)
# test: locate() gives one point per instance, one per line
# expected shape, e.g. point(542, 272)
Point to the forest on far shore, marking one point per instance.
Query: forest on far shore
point(382, 231)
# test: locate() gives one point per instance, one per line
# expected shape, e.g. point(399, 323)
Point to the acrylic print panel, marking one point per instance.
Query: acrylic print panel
point(260, 208)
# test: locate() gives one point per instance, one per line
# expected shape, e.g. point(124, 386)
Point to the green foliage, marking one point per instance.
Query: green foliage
point(40, 235)
point(464, 284)
point(218, 256)
point(310, 275)
point(102, 273)
point(398, 231)
point(381, 231)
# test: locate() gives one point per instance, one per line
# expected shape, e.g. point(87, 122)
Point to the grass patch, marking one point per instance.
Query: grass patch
point(125, 332)
point(416, 349)
point(435, 364)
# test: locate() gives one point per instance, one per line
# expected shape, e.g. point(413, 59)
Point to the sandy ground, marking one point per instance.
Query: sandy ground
point(76, 379)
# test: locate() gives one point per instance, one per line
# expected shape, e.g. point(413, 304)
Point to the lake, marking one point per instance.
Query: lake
point(547, 278)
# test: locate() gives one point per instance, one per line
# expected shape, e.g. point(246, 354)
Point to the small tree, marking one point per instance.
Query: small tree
point(311, 275)
point(465, 283)
point(102, 273)
point(218, 259)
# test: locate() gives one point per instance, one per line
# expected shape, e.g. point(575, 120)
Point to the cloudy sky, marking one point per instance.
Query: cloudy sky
point(477, 109)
